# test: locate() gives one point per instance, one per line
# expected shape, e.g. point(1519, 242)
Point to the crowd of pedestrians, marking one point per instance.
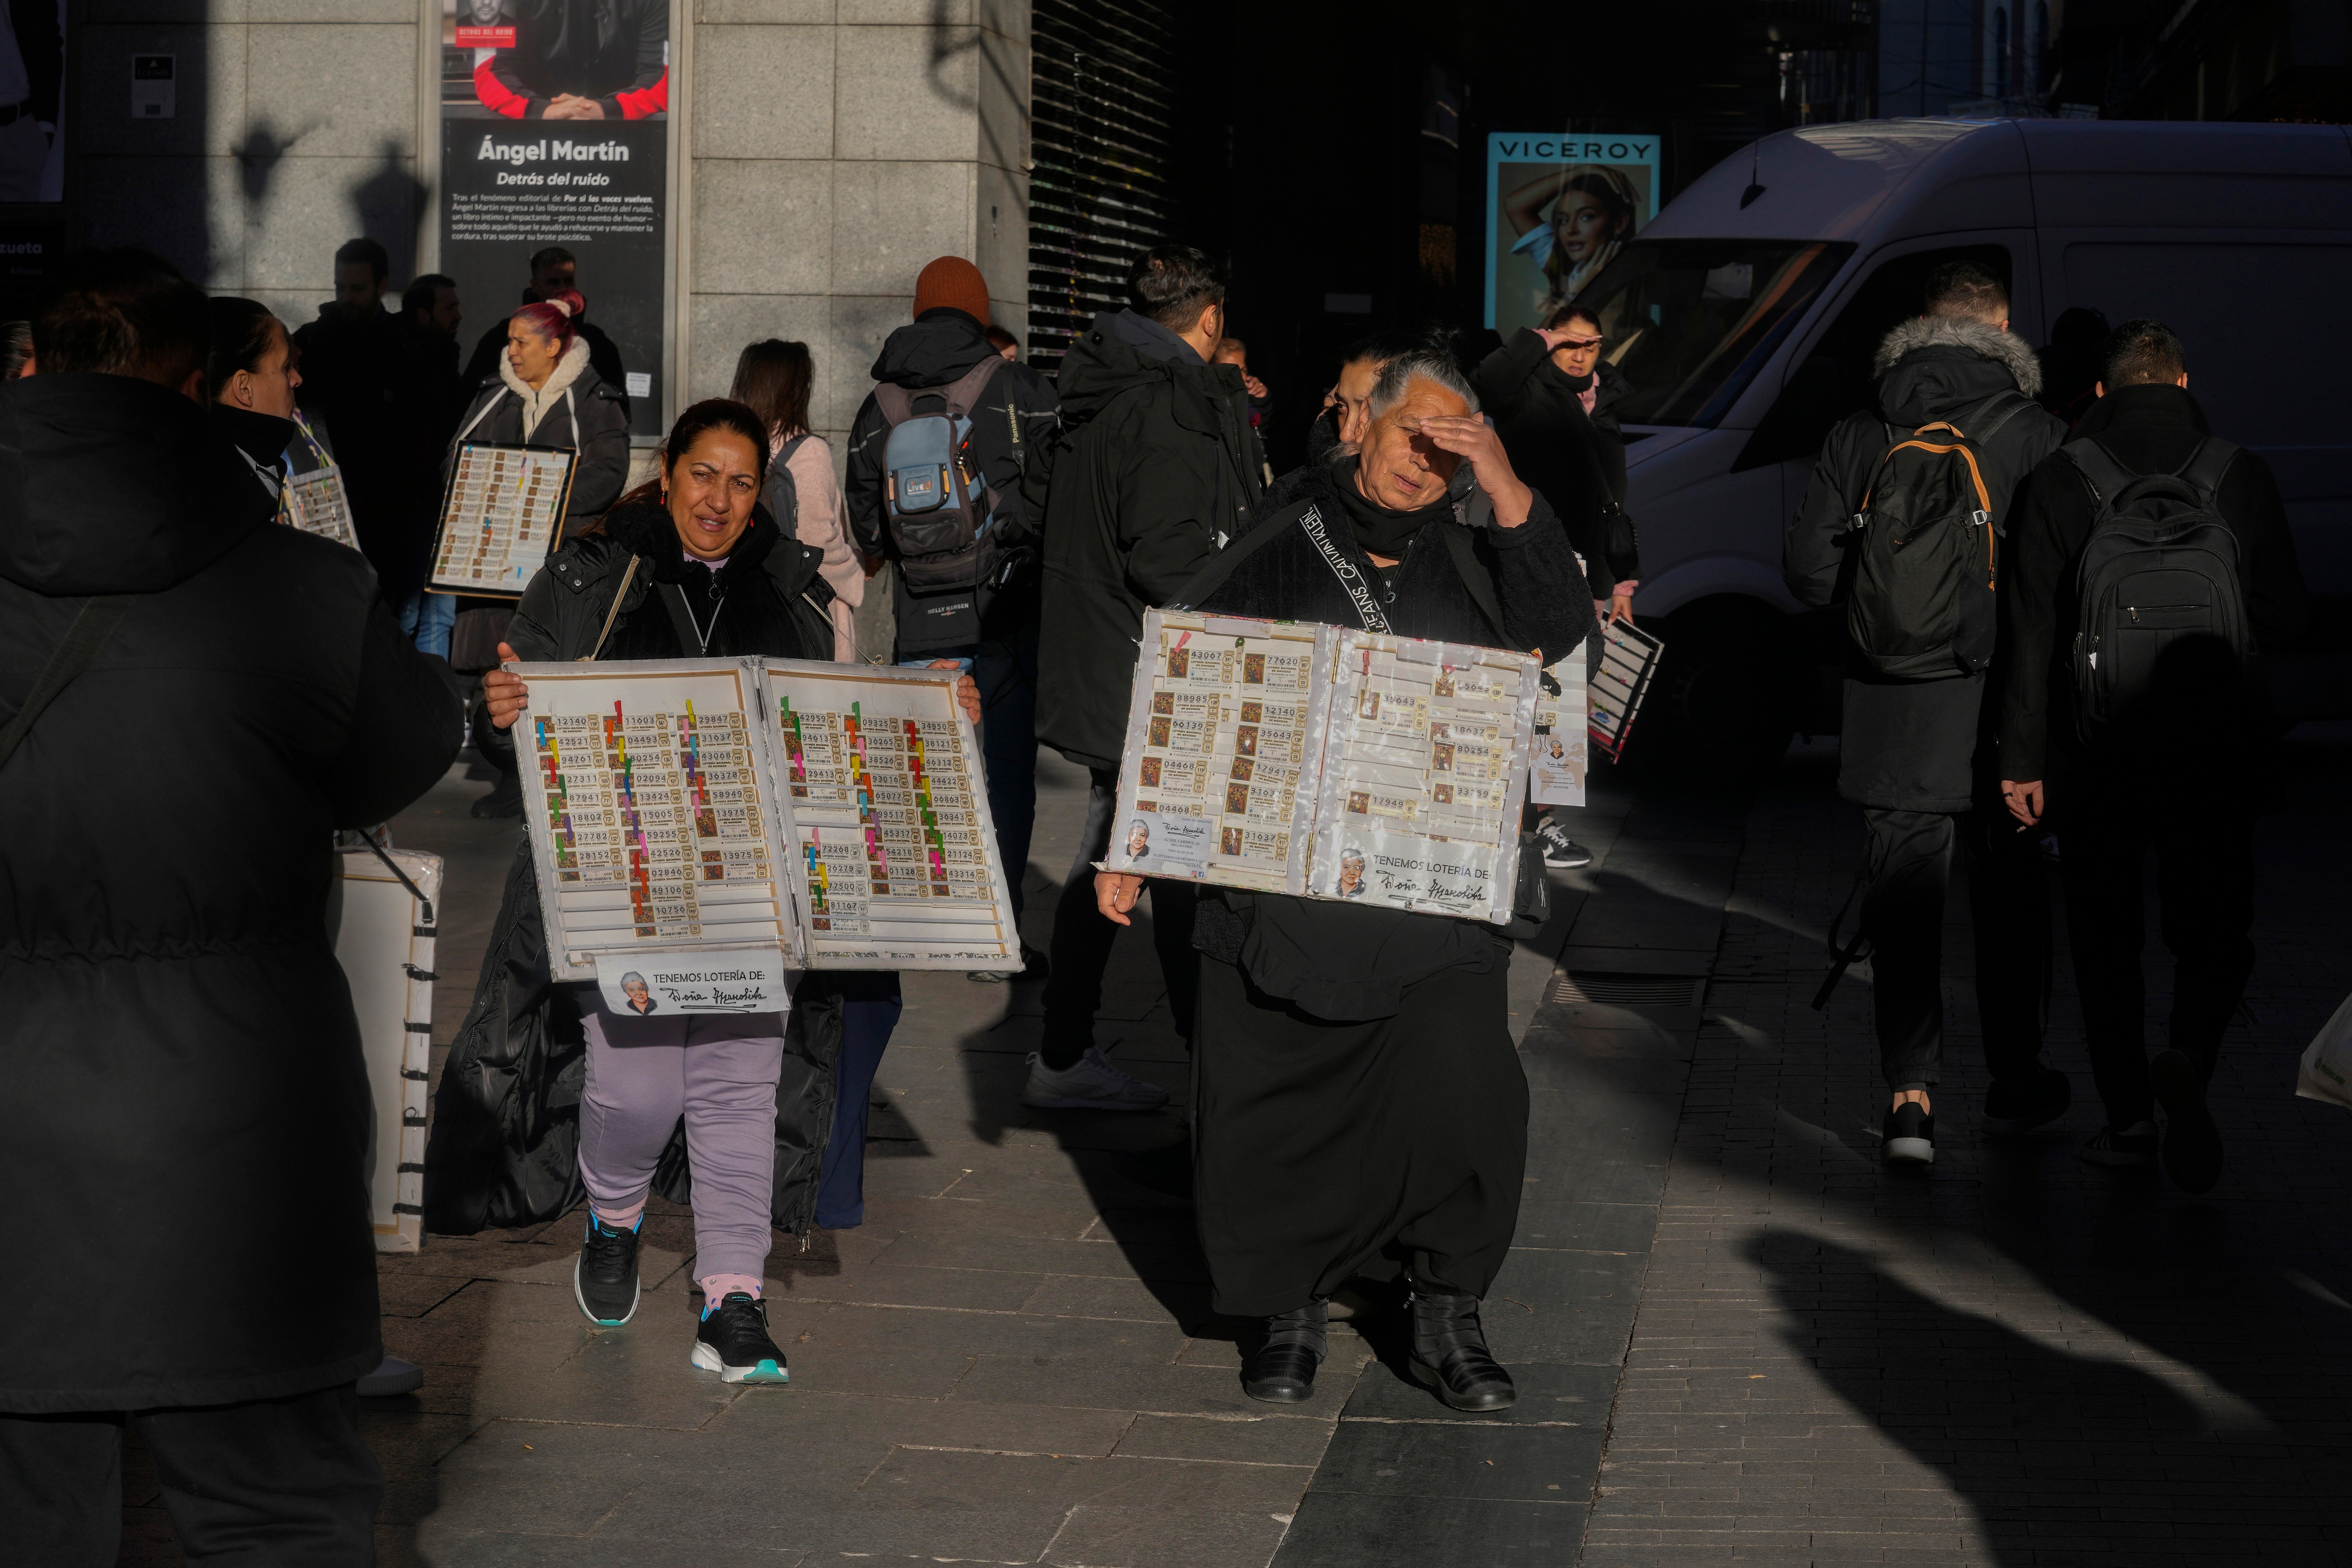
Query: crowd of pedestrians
point(1358, 1114)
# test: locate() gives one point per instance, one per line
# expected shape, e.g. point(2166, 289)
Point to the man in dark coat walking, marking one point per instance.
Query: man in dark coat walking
point(1153, 476)
point(989, 621)
point(183, 1106)
point(2111, 797)
point(1908, 754)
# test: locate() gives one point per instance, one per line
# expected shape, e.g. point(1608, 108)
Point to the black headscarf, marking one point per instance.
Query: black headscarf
point(1379, 530)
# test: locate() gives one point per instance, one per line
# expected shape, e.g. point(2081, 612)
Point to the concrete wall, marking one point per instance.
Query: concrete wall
point(836, 146)
point(296, 128)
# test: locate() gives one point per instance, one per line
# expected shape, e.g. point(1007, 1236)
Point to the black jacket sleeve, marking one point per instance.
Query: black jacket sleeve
point(1027, 417)
point(406, 727)
point(2048, 517)
point(1164, 494)
point(1546, 603)
point(1810, 556)
point(861, 486)
point(1502, 377)
point(603, 437)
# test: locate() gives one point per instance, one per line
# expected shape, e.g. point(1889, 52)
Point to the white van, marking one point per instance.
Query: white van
point(1747, 312)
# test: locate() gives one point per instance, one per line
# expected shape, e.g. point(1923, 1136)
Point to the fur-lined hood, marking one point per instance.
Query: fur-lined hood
point(2004, 349)
point(1938, 367)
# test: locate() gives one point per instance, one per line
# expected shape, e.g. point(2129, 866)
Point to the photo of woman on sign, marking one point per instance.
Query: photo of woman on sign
point(1594, 208)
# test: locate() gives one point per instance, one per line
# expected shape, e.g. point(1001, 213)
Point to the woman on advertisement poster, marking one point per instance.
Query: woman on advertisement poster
point(1593, 210)
point(571, 60)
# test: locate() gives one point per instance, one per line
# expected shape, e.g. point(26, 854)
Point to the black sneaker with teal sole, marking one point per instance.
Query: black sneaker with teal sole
point(733, 1341)
point(604, 1275)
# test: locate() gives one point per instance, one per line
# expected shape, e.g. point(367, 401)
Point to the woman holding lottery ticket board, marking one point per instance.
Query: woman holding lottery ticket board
point(687, 567)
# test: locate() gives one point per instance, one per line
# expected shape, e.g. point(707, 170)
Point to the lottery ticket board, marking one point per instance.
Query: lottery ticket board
point(316, 503)
point(1423, 770)
point(1224, 735)
point(890, 845)
point(1623, 660)
point(501, 516)
point(652, 817)
point(1326, 762)
point(384, 944)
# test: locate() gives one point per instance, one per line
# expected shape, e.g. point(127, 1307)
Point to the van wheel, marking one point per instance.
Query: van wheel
point(1722, 702)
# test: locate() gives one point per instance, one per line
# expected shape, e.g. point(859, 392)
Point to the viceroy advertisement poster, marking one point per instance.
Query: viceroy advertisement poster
point(1558, 208)
point(555, 132)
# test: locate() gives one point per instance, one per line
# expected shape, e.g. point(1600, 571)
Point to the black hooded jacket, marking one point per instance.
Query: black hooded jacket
point(1152, 475)
point(1577, 460)
point(506, 1125)
point(1461, 580)
point(2148, 430)
point(1908, 745)
point(177, 1029)
point(1013, 421)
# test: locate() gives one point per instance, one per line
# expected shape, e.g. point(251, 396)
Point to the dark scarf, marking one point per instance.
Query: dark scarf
point(736, 605)
point(1380, 530)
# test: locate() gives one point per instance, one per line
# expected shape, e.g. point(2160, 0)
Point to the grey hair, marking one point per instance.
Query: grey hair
point(629, 974)
point(1428, 364)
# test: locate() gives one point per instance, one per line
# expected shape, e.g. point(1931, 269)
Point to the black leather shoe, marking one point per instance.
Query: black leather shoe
point(1449, 1353)
point(1282, 1370)
point(2192, 1143)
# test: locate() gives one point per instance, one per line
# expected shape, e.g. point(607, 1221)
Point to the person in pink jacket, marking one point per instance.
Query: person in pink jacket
point(773, 378)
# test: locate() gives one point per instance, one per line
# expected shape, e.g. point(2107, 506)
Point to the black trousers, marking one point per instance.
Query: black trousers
point(1323, 1149)
point(2205, 893)
point(1909, 859)
point(268, 1483)
point(1082, 939)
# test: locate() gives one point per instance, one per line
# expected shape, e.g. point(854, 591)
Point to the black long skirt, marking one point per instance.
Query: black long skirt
point(1325, 1149)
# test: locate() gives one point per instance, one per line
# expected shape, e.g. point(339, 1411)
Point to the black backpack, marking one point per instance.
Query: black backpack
point(1925, 553)
point(2162, 639)
point(781, 492)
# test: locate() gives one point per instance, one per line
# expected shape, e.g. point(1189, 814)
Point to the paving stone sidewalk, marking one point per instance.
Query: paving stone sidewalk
point(1736, 1339)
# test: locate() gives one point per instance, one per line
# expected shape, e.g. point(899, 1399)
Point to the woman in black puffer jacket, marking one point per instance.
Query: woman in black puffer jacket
point(1554, 401)
point(539, 1102)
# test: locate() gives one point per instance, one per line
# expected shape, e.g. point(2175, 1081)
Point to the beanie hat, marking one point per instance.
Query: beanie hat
point(953, 282)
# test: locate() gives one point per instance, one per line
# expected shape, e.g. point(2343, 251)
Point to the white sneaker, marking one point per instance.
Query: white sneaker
point(1091, 1084)
point(1558, 848)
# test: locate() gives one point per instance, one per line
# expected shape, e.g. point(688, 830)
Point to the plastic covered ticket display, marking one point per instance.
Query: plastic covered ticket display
point(720, 809)
point(892, 851)
point(316, 503)
point(1326, 763)
point(501, 516)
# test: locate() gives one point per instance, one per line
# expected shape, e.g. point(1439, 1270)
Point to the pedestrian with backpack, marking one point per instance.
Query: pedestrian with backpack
point(936, 455)
point(1900, 529)
point(2151, 563)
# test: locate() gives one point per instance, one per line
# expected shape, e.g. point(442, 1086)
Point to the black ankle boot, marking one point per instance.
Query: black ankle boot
point(1282, 1370)
point(1449, 1353)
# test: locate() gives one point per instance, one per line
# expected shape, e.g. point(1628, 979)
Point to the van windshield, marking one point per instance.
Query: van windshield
point(1691, 321)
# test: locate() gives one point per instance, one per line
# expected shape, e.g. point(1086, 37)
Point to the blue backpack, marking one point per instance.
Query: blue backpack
point(935, 499)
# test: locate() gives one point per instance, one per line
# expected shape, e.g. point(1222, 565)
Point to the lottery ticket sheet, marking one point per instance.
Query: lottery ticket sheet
point(1556, 761)
point(1224, 736)
point(1423, 769)
point(892, 851)
point(1621, 662)
point(1326, 762)
point(316, 503)
point(651, 816)
point(501, 516)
